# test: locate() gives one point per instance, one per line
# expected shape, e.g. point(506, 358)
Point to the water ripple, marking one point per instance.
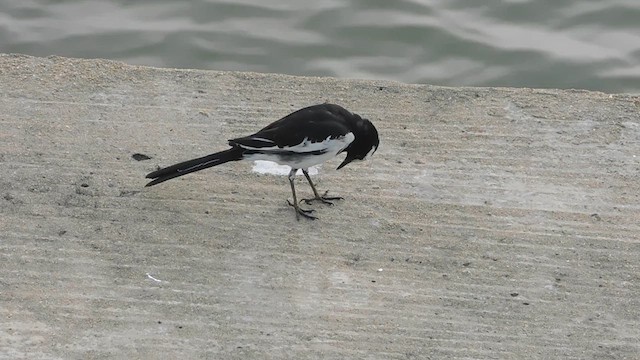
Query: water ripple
point(523, 43)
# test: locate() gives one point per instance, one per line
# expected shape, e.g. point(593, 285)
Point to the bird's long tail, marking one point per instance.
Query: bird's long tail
point(189, 166)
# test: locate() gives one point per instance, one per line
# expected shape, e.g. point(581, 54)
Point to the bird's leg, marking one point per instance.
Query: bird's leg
point(299, 211)
point(324, 198)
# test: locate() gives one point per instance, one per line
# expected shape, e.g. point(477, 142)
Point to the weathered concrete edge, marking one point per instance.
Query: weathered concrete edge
point(381, 82)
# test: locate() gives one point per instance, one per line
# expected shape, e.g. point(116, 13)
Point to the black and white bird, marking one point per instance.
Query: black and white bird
point(304, 138)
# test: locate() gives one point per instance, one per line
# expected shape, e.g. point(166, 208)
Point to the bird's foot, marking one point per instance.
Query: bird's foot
point(324, 199)
point(303, 212)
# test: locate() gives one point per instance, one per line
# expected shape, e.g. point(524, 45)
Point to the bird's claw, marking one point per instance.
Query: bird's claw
point(324, 199)
point(304, 212)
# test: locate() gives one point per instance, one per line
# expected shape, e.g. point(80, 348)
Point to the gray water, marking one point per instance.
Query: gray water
point(589, 44)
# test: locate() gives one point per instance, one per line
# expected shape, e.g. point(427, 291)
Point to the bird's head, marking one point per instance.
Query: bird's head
point(364, 144)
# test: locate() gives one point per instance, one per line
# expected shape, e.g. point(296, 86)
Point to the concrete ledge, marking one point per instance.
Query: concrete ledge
point(492, 223)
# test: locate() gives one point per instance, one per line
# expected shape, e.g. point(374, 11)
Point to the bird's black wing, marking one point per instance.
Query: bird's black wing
point(315, 124)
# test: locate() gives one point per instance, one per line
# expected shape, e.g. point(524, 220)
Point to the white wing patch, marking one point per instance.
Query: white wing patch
point(266, 146)
point(329, 145)
point(329, 148)
point(262, 139)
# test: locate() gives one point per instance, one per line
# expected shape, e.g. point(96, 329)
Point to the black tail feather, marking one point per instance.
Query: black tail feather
point(189, 166)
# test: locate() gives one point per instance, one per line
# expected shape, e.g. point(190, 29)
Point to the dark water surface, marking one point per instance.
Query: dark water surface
point(590, 44)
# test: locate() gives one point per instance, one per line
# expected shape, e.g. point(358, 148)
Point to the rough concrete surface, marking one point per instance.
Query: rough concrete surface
point(492, 223)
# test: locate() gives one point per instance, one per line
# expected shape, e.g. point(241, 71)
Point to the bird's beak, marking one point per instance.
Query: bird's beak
point(347, 160)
